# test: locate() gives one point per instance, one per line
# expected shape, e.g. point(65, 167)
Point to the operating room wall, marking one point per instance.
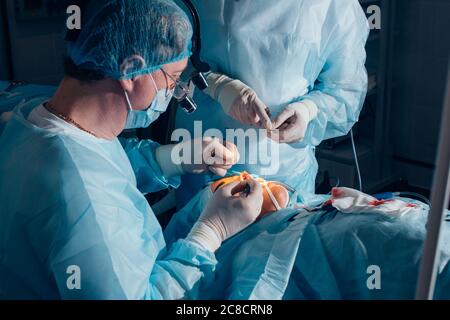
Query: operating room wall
point(4, 70)
point(422, 46)
point(37, 47)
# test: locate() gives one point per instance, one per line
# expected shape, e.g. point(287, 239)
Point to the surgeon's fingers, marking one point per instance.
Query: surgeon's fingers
point(218, 171)
point(248, 115)
point(274, 135)
point(284, 116)
point(211, 149)
point(246, 187)
point(239, 113)
point(233, 148)
point(221, 157)
point(255, 186)
point(236, 115)
point(254, 196)
point(230, 189)
point(260, 110)
point(218, 154)
point(290, 134)
point(253, 118)
point(260, 125)
point(241, 187)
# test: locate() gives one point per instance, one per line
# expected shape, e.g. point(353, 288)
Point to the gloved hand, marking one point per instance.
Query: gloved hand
point(291, 124)
point(238, 101)
point(232, 209)
point(197, 156)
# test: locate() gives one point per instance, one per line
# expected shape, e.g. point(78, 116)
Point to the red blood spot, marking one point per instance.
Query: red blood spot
point(328, 203)
point(411, 205)
point(377, 203)
point(336, 193)
point(245, 176)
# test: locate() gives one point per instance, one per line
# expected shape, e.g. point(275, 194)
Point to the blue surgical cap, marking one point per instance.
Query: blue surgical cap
point(123, 39)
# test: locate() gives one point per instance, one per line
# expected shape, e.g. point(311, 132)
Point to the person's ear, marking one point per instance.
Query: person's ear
point(127, 85)
point(129, 66)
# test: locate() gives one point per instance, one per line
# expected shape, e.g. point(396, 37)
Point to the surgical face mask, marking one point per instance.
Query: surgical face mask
point(143, 118)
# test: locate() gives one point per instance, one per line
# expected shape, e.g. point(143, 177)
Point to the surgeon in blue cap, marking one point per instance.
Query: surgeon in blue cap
point(296, 66)
point(74, 220)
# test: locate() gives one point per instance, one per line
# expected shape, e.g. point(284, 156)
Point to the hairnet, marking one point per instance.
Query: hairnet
point(126, 38)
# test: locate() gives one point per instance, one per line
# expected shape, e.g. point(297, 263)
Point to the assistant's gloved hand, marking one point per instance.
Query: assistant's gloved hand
point(197, 156)
point(232, 209)
point(239, 101)
point(291, 124)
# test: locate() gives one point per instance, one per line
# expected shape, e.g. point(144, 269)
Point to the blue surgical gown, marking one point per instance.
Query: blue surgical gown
point(73, 201)
point(287, 51)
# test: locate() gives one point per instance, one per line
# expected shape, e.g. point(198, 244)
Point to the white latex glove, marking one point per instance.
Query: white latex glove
point(197, 156)
point(291, 124)
point(232, 209)
point(239, 101)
